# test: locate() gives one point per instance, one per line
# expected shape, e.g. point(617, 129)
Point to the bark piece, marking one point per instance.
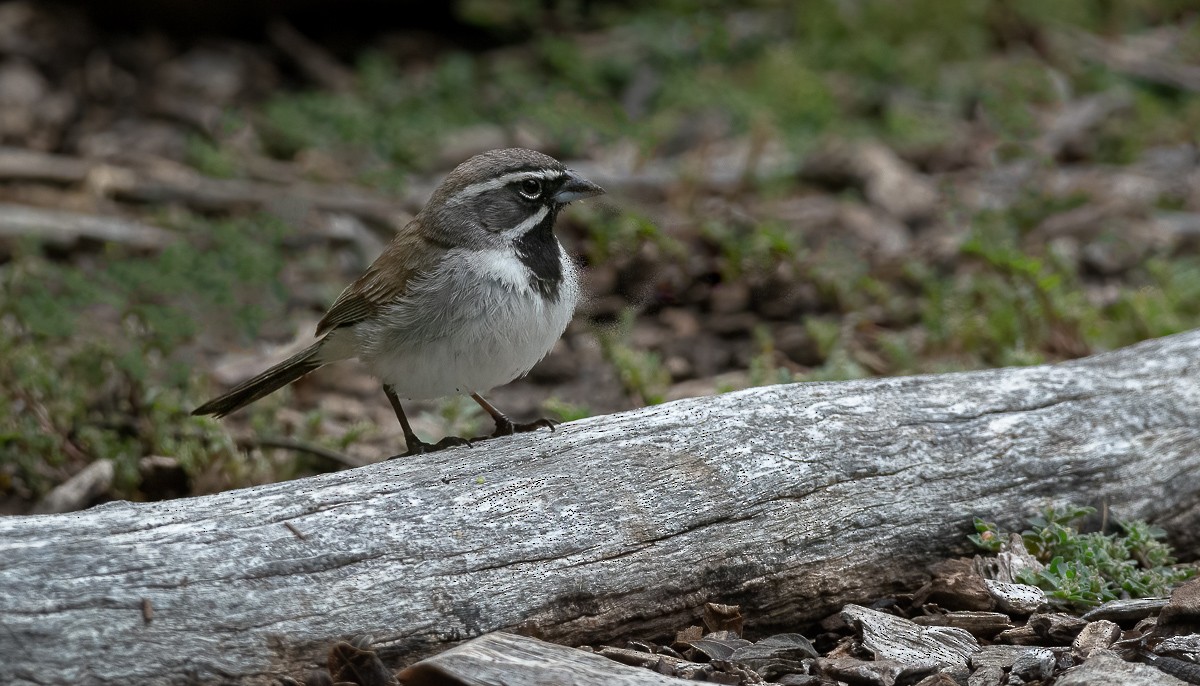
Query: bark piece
point(956, 585)
point(718, 648)
point(980, 624)
point(1015, 558)
point(801, 680)
point(1126, 611)
point(1181, 615)
point(776, 655)
point(1106, 668)
point(718, 617)
point(939, 679)
point(890, 637)
point(80, 490)
point(1017, 599)
point(613, 526)
point(1034, 665)
point(1072, 131)
point(1097, 635)
point(1003, 656)
point(1058, 627)
point(635, 658)
point(183, 186)
point(503, 658)
point(888, 182)
point(348, 662)
point(1181, 669)
point(1185, 647)
point(873, 672)
point(1152, 56)
point(986, 676)
point(1020, 636)
point(19, 164)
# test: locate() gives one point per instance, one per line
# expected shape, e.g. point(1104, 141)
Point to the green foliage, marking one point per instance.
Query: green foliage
point(1086, 569)
point(210, 159)
point(764, 368)
point(987, 536)
point(91, 367)
point(460, 415)
point(641, 372)
point(833, 340)
point(566, 411)
point(751, 249)
point(1073, 583)
point(615, 233)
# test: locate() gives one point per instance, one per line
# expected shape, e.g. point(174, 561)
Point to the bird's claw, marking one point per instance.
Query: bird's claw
point(421, 447)
point(506, 427)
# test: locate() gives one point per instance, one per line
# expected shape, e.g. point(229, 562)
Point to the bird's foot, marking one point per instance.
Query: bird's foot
point(506, 426)
point(417, 447)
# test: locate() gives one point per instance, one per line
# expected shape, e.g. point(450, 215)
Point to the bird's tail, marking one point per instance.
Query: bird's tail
point(269, 381)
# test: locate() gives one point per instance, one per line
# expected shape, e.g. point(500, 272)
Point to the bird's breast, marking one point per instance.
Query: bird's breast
point(477, 322)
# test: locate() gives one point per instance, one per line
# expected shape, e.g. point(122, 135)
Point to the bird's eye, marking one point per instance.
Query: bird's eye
point(531, 188)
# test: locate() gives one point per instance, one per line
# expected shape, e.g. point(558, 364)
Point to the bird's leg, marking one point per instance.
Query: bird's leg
point(506, 426)
point(415, 445)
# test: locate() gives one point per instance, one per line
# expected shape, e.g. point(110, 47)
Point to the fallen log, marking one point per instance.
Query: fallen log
point(64, 229)
point(787, 500)
point(180, 185)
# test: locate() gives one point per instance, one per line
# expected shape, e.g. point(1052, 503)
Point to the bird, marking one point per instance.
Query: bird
point(468, 296)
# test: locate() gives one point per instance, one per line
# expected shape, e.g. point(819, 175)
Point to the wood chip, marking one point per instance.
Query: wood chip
point(890, 637)
point(1018, 599)
point(504, 658)
point(1182, 613)
point(980, 624)
point(1107, 668)
point(359, 665)
point(1058, 627)
point(719, 617)
point(78, 492)
point(1097, 635)
point(874, 672)
point(1126, 611)
point(956, 585)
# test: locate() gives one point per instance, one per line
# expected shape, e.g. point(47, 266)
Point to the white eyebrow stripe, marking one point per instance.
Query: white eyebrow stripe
point(502, 181)
point(533, 220)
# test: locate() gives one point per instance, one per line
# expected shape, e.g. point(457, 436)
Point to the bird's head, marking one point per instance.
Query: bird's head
point(501, 195)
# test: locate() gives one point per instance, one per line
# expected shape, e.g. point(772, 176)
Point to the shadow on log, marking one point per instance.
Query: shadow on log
point(788, 500)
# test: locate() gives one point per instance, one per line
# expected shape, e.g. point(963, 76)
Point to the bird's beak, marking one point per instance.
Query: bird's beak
point(576, 188)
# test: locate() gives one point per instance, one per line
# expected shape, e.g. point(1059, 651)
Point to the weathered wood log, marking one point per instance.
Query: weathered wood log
point(788, 500)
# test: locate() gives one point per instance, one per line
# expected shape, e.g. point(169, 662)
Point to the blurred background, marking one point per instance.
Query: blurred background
point(799, 191)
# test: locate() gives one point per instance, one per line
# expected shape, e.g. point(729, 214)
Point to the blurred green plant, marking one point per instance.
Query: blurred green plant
point(614, 233)
point(1083, 570)
point(91, 370)
point(765, 369)
point(210, 158)
point(565, 411)
point(641, 371)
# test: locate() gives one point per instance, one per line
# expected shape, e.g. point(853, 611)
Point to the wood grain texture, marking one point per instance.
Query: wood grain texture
point(512, 660)
point(789, 500)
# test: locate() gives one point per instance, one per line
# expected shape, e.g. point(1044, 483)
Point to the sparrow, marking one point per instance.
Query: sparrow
point(468, 296)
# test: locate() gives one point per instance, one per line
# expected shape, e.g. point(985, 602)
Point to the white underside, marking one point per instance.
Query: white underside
point(473, 325)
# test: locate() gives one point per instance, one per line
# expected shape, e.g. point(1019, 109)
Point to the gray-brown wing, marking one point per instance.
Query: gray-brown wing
point(384, 282)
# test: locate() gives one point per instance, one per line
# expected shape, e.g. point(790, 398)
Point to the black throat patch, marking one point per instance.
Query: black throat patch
point(538, 250)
